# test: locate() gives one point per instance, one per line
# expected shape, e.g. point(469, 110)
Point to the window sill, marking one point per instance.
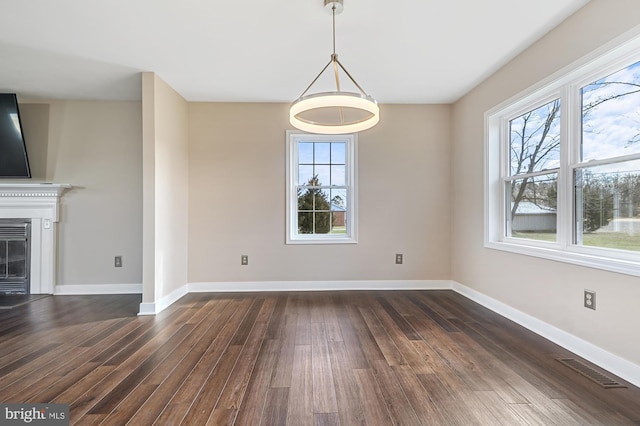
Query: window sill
point(622, 266)
point(323, 240)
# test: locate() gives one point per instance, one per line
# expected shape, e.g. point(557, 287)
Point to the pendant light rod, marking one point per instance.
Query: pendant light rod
point(334, 60)
point(317, 77)
point(333, 14)
point(351, 78)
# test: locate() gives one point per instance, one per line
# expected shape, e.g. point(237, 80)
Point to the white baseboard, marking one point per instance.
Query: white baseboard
point(163, 303)
point(87, 289)
point(610, 362)
point(147, 309)
point(249, 286)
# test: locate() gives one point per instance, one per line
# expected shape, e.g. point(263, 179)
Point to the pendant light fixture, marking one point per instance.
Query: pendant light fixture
point(334, 112)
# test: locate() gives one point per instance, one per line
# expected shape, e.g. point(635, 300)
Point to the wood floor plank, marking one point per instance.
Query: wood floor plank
point(303, 327)
point(277, 323)
point(324, 396)
point(207, 398)
point(250, 411)
point(76, 392)
point(105, 393)
point(532, 415)
point(52, 390)
point(397, 403)
point(350, 410)
point(300, 407)
point(399, 321)
point(332, 325)
point(135, 381)
point(386, 344)
point(353, 357)
point(284, 366)
point(437, 391)
point(27, 359)
point(499, 408)
point(577, 413)
point(436, 317)
point(326, 419)
point(425, 408)
point(402, 342)
point(198, 377)
point(208, 330)
point(234, 389)
point(367, 342)
point(374, 406)
point(36, 379)
point(275, 412)
point(127, 405)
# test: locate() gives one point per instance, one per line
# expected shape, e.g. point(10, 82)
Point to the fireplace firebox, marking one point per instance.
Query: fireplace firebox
point(15, 253)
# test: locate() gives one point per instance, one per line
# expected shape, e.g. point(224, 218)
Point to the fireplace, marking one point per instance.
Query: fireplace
point(15, 256)
point(29, 217)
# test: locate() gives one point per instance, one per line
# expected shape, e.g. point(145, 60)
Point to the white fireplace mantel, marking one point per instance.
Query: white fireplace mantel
point(39, 202)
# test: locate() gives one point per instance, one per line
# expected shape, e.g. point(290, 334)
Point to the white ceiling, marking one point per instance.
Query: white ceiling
point(401, 51)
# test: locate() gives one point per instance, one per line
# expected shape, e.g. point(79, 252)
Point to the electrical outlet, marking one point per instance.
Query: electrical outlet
point(398, 259)
point(244, 260)
point(117, 261)
point(590, 299)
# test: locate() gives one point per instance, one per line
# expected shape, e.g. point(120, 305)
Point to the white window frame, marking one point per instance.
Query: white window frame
point(564, 85)
point(292, 236)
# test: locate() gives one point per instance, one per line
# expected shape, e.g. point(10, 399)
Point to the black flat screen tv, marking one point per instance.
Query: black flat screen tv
point(14, 162)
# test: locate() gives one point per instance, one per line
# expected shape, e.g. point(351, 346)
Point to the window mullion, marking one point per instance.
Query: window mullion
point(568, 132)
point(505, 146)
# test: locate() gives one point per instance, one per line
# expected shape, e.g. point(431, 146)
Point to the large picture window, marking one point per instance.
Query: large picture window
point(563, 167)
point(321, 205)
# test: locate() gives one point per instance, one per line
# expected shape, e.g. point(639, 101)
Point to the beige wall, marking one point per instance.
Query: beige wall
point(96, 147)
point(550, 291)
point(237, 198)
point(165, 165)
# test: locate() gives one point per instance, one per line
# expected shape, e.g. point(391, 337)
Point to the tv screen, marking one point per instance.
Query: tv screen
point(13, 151)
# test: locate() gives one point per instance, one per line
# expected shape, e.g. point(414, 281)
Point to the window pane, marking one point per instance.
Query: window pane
point(338, 199)
point(608, 206)
point(338, 155)
point(305, 223)
point(305, 199)
point(337, 175)
point(611, 115)
point(323, 174)
point(338, 211)
point(305, 174)
point(322, 153)
point(535, 139)
point(533, 206)
point(339, 222)
point(305, 153)
point(322, 222)
point(321, 200)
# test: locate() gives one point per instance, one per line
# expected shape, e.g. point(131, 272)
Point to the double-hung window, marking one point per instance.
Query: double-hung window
point(321, 188)
point(563, 166)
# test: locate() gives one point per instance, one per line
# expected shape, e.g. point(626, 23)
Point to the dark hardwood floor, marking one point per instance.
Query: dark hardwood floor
point(323, 358)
